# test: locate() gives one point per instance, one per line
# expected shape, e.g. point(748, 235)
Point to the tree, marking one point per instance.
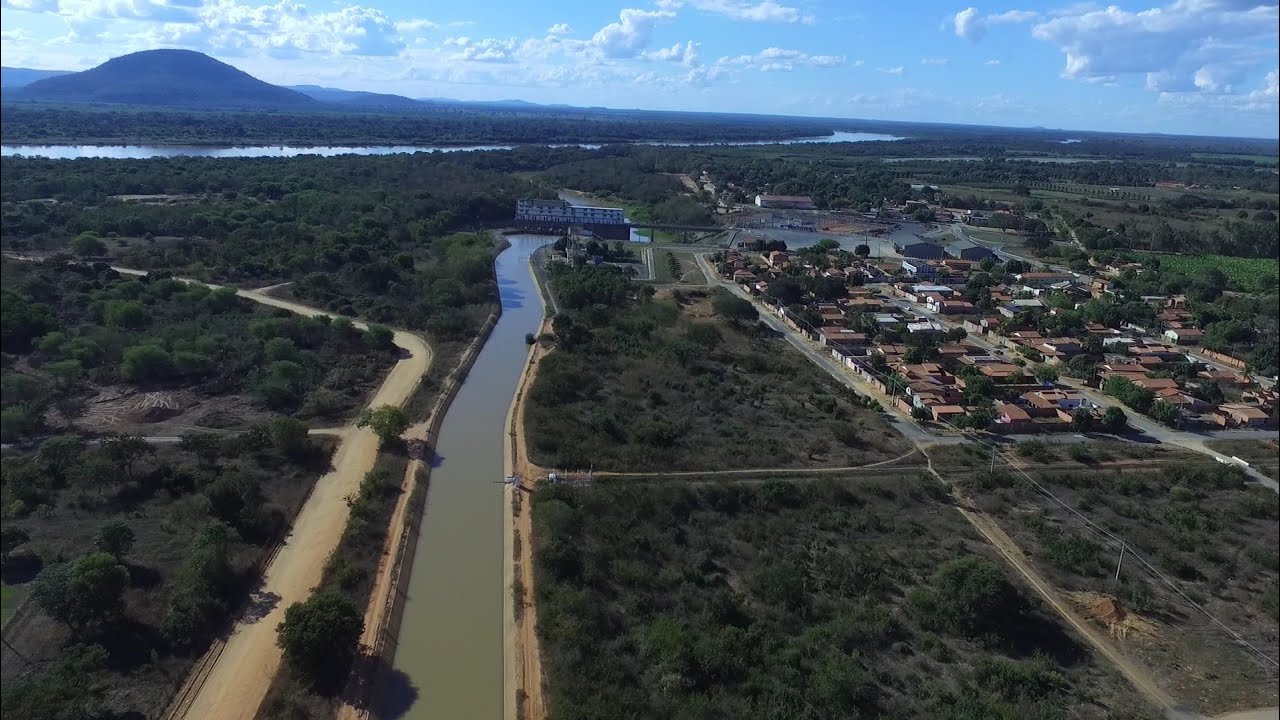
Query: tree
point(126, 314)
point(1114, 419)
point(969, 596)
point(115, 538)
point(978, 389)
point(81, 593)
point(123, 450)
point(379, 337)
point(387, 422)
point(862, 250)
point(1082, 420)
point(289, 436)
point(981, 416)
point(319, 637)
point(143, 363)
point(11, 538)
point(86, 244)
point(786, 290)
point(1046, 373)
point(1165, 412)
point(733, 307)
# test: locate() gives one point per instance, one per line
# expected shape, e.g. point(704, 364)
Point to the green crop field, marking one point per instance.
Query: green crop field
point(1244, 273)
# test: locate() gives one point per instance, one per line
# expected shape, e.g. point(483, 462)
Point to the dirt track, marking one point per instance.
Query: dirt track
point(523, 682)
point(233, 679)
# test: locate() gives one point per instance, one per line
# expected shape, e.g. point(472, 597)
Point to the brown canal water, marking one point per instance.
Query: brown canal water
point(448, 663)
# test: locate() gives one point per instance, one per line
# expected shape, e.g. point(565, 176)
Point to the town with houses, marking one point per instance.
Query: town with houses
point(952, 336)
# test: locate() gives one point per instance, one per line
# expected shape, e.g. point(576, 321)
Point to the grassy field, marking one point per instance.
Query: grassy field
point(667, 384)
point(799, 600)
point(1262, 455)
point(684, 269)
point(1210, 535)
point(1244, 273)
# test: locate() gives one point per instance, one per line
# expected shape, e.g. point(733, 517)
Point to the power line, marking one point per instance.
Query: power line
point(1112, 540)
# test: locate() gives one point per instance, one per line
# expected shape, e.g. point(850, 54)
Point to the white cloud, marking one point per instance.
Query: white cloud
point(151, 10)
point(684, 53)
point(18, 36)
point(934, 61)
point(486, 50)
point(992, 61)
point(779, 59)
point(630, 35)
point(289, 27)
point(1176, 48)
point(414, 26)
point(560, 29)
point(744, 10)
point(39, 6)
point(892, 70)
point(972, 25)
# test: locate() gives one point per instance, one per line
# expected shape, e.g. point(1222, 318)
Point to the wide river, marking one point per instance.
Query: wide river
point(135, 152)
point(449, 655)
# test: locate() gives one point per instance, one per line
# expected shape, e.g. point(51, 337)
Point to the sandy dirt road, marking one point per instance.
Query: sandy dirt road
point(233, 678)
point(522, 677)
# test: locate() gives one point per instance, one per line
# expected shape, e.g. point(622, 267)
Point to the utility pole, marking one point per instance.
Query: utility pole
point(993, 458)
point(1121, 561)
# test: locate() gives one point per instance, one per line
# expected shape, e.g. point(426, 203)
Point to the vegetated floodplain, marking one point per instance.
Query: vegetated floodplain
point(687, 380)
point(793, 600)
point(92, 350)
point(41, 123)
point(1201, 526)
point(134, 555)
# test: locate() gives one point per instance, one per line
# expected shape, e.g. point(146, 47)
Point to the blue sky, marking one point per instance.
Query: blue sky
point(1186, 66)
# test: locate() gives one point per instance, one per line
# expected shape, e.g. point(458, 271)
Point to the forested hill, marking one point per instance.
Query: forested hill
point(179, 78)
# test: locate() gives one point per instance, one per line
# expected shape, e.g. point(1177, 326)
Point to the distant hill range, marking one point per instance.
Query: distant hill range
point(13, 78)
point(188, 79)
point(180, 78)
point(357, 98)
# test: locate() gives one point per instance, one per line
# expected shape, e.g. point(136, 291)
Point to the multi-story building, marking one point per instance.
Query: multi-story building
point(791, 202)
point(558, 217)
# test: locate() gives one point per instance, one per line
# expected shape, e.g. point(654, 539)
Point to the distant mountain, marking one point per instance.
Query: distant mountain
point(11, 78)
point(357, 97)
point(181, 78)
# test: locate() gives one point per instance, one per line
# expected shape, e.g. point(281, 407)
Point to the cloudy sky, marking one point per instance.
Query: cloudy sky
point(1188, 66)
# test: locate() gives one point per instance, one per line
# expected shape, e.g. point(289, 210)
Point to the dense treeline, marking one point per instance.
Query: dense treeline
point(443, 125)
point(70, 330)
point(789, 601)
point(1111, 172)
point(134, 556)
